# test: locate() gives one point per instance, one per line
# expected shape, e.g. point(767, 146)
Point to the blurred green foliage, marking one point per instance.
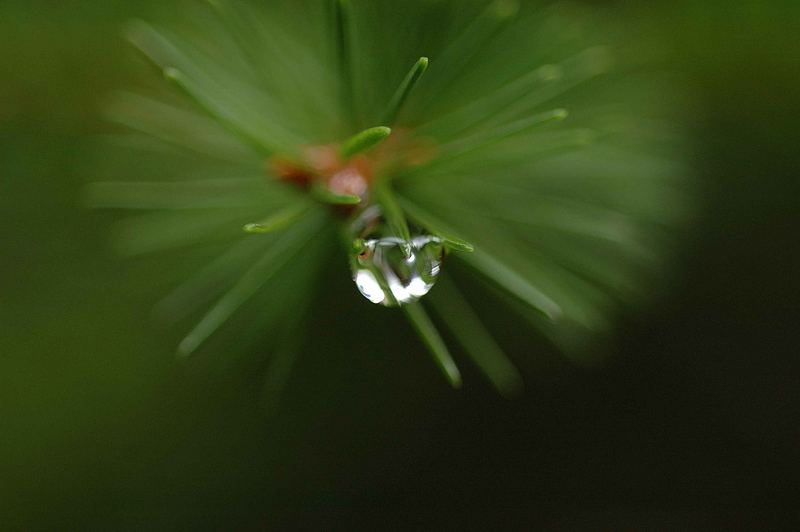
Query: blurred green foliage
point(103, 428)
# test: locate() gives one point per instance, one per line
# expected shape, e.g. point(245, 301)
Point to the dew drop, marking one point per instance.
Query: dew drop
point(387, 273)
point(369, 286)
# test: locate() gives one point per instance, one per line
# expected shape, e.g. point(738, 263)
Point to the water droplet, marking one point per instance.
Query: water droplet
point(387, 275)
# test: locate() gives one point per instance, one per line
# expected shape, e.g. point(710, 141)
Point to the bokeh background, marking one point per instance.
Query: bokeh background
point(693, 423)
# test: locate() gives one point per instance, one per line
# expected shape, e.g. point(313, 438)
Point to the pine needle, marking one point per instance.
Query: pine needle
point(278, 220)
point(364, 141)
point(467, 328)
point(281, 252)
point(435, 227)
point(324, 195)
point(454, 59)
point(202, 287)
point(516, 284)
point(179, 127)
point(404, 90)
point(482, 140)
point(343, 45)
point(427, 331)
point(395, 218)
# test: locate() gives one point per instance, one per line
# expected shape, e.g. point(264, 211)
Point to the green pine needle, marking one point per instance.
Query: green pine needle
point(467, 328)
point(514, 283)
point(342, 24)
point(404, 90)
point(195, 93)
point(484, 139)
point(460, 51)
point(364, 141)
point(434, 226)
point(392, 212)
point(179, 127)
point(324, 195)
point(278, 255)
point(278, 220)
point(427, 331)
point(202, 287)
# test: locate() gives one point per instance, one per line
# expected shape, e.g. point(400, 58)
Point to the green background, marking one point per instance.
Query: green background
point(693, 422)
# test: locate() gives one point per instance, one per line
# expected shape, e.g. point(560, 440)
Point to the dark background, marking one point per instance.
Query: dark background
point(693, 423)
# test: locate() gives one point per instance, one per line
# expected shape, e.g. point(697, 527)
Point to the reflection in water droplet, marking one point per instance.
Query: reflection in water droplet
point(385, 275)
point(369, 287)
